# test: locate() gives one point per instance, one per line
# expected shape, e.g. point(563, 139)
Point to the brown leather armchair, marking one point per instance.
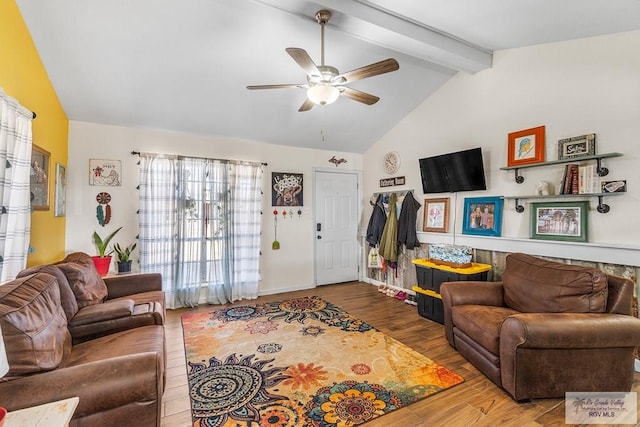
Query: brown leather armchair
point(546, 329)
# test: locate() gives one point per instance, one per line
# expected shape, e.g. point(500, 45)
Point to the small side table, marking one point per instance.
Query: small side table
point(54, 414)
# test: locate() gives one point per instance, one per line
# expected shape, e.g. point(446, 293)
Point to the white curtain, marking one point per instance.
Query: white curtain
point(216, 228)
point(157, 227)
point(245, 200)
point(15, 164)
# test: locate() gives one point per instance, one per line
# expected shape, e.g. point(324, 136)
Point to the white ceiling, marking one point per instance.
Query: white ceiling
point(183, 65)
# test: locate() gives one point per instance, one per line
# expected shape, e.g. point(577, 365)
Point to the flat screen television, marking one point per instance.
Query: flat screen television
point(453, 172)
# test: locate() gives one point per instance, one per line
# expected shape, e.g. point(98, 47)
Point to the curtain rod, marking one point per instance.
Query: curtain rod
point(34, 115)
point(137, 153)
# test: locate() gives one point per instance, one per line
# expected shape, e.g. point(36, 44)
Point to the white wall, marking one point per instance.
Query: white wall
point(573, 88)
point(287, 269)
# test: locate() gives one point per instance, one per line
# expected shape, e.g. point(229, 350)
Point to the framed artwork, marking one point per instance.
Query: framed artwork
point(105, 172)
point(526, 147)
point(577, 146)
point(436, 215)
point(39, 178)
point(286, 189)
point(60, 203)
point(483, 216)
point(560, 221)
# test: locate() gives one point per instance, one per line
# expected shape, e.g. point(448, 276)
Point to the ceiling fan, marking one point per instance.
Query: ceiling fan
point(324, 82)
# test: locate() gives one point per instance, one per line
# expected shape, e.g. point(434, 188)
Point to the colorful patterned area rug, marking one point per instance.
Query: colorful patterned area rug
point(299, 362)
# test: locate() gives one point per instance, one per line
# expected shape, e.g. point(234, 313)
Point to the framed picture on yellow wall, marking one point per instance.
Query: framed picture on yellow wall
point(39, 178)
point(59, 207)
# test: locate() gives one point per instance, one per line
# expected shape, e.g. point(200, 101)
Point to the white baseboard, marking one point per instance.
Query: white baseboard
point(305, 287)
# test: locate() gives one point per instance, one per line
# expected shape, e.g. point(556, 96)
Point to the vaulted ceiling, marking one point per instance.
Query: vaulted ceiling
point(184, 65)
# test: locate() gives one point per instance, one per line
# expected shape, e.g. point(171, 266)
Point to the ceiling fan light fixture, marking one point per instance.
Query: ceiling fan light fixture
point(323, 94)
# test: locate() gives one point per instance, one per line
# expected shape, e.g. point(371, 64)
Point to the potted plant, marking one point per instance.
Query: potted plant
point(103, 260)
point(123, 255)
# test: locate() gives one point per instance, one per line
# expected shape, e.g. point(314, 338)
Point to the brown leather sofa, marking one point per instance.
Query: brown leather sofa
point(116, 366)
point(547, 328)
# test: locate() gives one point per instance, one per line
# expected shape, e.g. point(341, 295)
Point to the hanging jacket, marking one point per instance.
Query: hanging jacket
point(376, 222)
point(389, 241)
point(407, 222)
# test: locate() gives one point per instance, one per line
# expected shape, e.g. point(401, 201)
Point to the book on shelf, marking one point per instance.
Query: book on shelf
point(589, 180)
point(578, 179)
point(570, 184)
point(575, 180)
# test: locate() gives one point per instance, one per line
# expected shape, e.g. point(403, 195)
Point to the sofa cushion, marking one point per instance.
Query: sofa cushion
point(67, 297)
point(534, 285)
point(33, 324)
point(481, 323)
point(85, 282)
point(144, 339)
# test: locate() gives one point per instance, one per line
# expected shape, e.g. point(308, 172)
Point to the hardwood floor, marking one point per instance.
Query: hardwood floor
point(476, 402)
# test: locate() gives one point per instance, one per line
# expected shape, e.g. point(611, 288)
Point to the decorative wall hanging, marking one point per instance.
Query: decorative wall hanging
point(59, 207)
point(103, 215)
point(336, 161)
point(275, 245)
point(286, 189)
point(39, 179)
point(105, 172)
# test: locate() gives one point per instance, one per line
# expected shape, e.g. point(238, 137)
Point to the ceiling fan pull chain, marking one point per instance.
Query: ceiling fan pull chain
point(322, 123)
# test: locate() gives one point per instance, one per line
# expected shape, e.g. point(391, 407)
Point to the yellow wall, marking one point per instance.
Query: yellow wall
point(23, 77)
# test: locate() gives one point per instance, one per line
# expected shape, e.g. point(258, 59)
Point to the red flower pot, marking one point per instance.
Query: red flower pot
point(102, 264)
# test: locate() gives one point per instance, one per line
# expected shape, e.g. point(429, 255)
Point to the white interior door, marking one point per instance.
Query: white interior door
point(336, 226)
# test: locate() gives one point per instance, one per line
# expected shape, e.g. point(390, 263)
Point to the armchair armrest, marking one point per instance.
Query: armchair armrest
point(120, 286)
point(468, 293)
point(101, 386)
point(569, 330)
point(475, 293)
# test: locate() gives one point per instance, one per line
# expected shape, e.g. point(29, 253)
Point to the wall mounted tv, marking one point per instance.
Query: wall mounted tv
point(453, 172)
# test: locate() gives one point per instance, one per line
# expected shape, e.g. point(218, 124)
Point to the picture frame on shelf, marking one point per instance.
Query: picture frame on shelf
point(60, 202)
point(483, 216)
point(526, 147)
point(619, 186)
point(39, 178)
point(436, 215)
point(564, 221)
point(577, 146)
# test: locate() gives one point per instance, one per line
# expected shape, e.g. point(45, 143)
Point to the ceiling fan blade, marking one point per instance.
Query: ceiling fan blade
point(305, 62)
point(356, 95)
point(384, 66)
point(283, 86)
point(306, 105)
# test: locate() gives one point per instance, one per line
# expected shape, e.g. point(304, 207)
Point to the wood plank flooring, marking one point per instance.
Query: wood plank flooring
point(476, 402)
